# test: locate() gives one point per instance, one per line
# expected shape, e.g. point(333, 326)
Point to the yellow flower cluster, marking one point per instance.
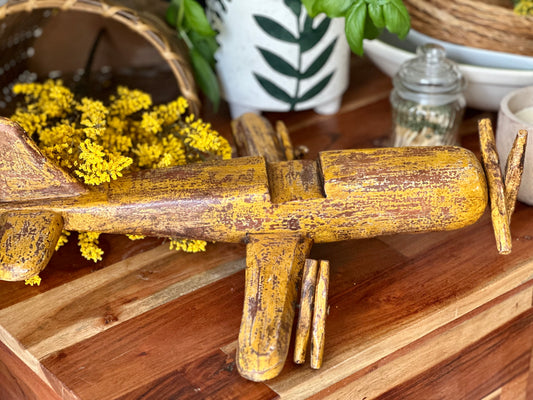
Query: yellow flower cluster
point(88, 242)
point(34, 280)
point(524, 7)
point(190, 246)
point(98, 142)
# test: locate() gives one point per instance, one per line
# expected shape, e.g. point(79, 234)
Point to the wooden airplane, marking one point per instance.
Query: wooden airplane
point(277, 205)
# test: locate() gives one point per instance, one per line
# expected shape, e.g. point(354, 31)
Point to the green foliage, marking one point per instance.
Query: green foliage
point(189, 20)
point(364, 18)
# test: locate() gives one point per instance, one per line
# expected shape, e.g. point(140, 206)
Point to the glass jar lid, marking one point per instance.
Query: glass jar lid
point(429, 78)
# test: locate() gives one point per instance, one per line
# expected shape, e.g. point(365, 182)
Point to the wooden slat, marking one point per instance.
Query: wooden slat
point(18, 381)
point(160, 342)
point(94, 303)
point(516, 389)
point(500, 358)
point(407, 363)
point(202, 379)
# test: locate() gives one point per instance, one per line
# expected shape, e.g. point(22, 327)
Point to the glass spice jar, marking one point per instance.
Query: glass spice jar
point(427, 99)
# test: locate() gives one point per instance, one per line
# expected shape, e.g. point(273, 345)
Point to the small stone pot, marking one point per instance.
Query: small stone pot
point(509, 123)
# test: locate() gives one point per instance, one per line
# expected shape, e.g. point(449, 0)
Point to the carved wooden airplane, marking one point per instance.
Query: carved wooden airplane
point(278, 208)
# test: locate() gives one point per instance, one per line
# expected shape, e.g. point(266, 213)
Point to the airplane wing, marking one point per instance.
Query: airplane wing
point(274, 266)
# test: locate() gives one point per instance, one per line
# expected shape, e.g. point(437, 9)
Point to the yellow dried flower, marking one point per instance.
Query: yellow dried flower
point(127, 102)
point(524, 7)
point(96, 166)
point(151, 122)
point(63, 239)
point(34, 280)
point(136, 237)
point(93, 117)
point(31, 122)
point(187, 245)
point(88, 242)
point(97, 143)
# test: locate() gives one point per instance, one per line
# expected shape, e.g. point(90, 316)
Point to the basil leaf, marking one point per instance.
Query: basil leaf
point(310, 6)
point(355, 26)
point(371, 30)
point(196, 19)
point(207, 46)
point(336, 8)
point(332, 8)
point(397, 18)
point(171, 15)
point(375, 11)
point(205, 77)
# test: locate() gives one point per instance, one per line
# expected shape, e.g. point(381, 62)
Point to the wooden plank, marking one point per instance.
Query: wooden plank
point(204, 378)
point(481, 368)
point(516, 389)
point(19, 382)
point(429, 351)
point(67, 265)
point(94, 303)
point(142, 350)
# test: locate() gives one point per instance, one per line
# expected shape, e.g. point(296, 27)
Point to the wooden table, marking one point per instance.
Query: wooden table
point(427, 316)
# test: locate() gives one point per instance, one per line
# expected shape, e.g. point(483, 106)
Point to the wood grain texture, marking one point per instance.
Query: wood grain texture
point(436, 347)
point(497, 364)
point(19, 382)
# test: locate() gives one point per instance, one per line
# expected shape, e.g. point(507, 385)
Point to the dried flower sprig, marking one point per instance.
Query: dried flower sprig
point(97, 143)
point(524, 7)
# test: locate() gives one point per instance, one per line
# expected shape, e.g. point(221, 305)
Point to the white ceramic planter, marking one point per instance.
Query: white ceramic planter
point(273, 57)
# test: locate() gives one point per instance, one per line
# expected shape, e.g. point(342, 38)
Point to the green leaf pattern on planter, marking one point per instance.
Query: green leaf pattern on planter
point(307, 38)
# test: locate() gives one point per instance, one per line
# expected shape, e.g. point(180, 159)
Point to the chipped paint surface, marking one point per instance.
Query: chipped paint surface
point(27, 240)
point(367, 193)
point(273, 270)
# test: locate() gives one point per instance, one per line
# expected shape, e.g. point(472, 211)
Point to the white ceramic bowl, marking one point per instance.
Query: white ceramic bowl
point(486, 87)
point(473, 55)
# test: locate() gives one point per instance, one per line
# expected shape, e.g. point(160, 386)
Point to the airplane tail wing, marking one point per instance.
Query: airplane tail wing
point(25, 173)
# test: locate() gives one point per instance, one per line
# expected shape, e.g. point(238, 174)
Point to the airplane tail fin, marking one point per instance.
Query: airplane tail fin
point(25, 173)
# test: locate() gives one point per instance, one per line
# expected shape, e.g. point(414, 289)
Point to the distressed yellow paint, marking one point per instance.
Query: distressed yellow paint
point(514, 169)
point(499, 214)
point(318, 331)
point(27, 240)
point(227, 200)
point(273, 269)
point(305, 315)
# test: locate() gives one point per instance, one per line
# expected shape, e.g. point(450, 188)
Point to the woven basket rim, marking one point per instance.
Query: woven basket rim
point(146, 25)
point(473, 23)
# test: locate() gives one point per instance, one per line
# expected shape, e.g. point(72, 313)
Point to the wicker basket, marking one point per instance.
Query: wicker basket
point(54, 38)
point(490, 24)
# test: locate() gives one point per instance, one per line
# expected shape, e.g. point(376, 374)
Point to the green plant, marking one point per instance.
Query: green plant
point(365, 19)
point(189, 20)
